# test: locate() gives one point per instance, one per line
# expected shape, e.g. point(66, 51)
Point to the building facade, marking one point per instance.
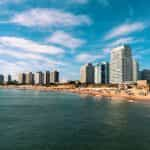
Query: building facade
point(9, 79)
point(47, 77)
point(39, 78)
point(105, 72)
point(30, 78)
point(145, 75)
point(1, 79)
point(102, 73)
point(87, 74)
point(135, 69)
point(22, 78)
point(54, 77)
point(121, 65)
point(98, 74)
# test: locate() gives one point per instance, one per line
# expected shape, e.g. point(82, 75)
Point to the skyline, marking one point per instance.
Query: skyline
point(65, 35)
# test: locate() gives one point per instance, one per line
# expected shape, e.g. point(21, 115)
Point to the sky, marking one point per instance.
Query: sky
point(40, 35)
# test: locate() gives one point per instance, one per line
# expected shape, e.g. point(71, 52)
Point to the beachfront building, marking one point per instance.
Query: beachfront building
point(30, 78)
point(22, 78)
point(87, 74)
point(47, 77)
point(98, 74)
point(145, 75)
point(39, 78)
point(1, 79)
point(9, 79)
point(102, 73)
point(135, 70)
point(105, 72)
point(121, 64)
point(54, 77)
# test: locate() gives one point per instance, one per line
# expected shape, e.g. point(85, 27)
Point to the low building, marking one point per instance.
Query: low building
point(142, 84)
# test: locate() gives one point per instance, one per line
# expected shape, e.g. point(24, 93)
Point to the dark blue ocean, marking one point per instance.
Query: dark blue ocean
point(31, 120)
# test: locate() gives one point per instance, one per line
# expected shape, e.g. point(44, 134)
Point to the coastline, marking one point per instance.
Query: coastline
point(111, 93)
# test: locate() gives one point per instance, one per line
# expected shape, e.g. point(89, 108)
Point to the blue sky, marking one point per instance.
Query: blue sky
point(54, 34)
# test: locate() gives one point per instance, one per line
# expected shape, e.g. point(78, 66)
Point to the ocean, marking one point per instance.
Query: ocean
point(33, 120)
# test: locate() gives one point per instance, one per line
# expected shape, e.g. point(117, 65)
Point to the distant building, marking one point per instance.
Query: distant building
point(9, 79)
point(121, 64)
point(145, 75)
point(105, 72)
point(47, 77)
point(135, 70)
point(98, 74)
point(22, 78)
point(87, 74)
point(39, 78)
point(102, 73)
point(1, 79)
point(30, 78)
point(54, 77)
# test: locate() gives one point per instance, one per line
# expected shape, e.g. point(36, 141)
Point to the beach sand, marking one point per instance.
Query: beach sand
point(111, 93)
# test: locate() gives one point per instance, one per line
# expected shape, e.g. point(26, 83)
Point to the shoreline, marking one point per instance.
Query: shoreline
point(111, 93)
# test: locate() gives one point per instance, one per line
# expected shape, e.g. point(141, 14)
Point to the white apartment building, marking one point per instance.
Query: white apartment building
point(121, 65)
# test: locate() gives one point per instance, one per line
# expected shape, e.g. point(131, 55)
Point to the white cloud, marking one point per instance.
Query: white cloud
point(125, 29)
point(86, 57)
point(26, 62)
point(30, 46)
point(26, 55)
point(41, 17)
point(20, 54)
point(124, 40)
point(65, 40)
point(121, 41)
point(29, 57)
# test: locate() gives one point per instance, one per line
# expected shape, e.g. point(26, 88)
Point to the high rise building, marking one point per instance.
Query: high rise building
point(98, 74)
point(47, 77)
point(145, 75)
point(39, 78)
point(9, 79)
point(22, 78)
point(121, 64)
point(1, 79)
point(30, 78)
point(135, 70)
point(102, 73)
point(105, 72)
point(87, 73)
point(54, 77)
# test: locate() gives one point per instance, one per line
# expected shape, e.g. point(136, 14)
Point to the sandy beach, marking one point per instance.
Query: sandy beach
point(112, 93)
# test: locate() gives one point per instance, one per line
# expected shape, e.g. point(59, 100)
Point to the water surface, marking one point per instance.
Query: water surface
point(31, 120)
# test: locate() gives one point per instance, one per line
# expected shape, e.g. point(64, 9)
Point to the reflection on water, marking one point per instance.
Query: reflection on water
point(41, 121)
